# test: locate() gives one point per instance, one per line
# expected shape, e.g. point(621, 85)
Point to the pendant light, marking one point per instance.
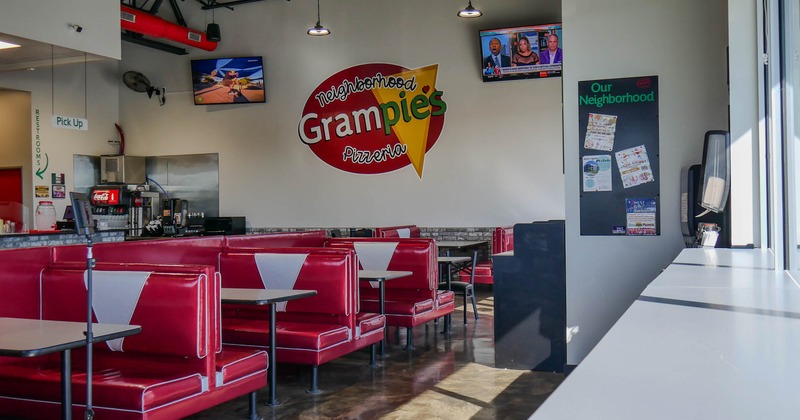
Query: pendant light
point(212, 29)
point(318, 30)
point(470, 12)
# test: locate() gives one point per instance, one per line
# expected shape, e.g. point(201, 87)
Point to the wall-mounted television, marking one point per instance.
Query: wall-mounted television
point(228, 81)
point(522, 52)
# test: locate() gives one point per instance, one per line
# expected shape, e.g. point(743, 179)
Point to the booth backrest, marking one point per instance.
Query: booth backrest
point(416, 255)
point(503, 239)
point(404, 231)
point(332, 273)
point(212, 319)
point(170, 307)
point(19, 281)
point(311, 238)
point(203, 251)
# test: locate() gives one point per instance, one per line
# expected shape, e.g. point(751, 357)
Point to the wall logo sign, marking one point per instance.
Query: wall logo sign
point(374, 118)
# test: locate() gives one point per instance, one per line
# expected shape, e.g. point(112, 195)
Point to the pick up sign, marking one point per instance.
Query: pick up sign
point(72, 123)
point(374, 118)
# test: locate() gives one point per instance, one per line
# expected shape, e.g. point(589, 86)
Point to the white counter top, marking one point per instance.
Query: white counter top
point(765, 290)
point(702, 342)
point(721, 257)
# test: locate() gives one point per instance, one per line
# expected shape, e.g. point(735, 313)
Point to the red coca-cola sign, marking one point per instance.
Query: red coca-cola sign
point(105, 197)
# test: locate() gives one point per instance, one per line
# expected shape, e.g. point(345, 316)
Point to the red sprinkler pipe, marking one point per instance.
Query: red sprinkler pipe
point(121, 139)
point(144, 23)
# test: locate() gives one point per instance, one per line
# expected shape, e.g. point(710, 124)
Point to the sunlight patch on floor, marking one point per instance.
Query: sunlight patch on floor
point(432, 405)
point(479, 382)
point(460, 395)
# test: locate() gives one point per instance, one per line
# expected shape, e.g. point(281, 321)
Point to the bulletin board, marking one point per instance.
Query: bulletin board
point(619, 157)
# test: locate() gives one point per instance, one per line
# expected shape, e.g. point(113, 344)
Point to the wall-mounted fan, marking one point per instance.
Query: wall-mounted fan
point(138, 82)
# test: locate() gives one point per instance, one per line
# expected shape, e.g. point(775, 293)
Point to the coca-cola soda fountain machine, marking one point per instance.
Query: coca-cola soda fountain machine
point(110, 205)
point(124, 207)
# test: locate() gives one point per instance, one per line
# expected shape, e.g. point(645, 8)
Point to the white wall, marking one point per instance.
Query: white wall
point(61, 92)
point(48, 21)
point(683, 43)
point(497, 162)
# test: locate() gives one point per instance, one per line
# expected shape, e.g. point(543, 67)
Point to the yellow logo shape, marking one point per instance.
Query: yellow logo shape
point(413, 134)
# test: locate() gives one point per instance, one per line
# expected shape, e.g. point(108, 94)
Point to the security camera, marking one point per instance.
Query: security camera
point(76, 28)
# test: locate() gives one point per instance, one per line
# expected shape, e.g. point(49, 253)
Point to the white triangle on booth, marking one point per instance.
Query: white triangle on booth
point(115, 296)
point(404, 233)
point(279, 271)
point(375, 255)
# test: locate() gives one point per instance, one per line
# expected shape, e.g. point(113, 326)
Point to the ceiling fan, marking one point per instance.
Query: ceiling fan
point(138, 82)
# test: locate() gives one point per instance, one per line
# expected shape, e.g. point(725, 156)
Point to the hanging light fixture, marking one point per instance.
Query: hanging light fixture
point(212, 30)
point(318, 30)
point(470, 12)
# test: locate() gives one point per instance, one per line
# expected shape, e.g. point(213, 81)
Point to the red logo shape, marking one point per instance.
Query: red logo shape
point(643, 83)
point(374, 118)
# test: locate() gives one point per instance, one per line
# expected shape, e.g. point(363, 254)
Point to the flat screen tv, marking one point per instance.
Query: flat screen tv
point(523, 52)
point(228, 81)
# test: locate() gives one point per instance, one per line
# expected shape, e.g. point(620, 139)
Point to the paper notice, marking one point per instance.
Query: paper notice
point(634, 166)
point(600, 132)
point(597, 173)
point(42, 191)
point(641, 216)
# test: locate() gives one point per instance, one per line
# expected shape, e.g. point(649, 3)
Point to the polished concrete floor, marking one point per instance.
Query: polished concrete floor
point(443, 378)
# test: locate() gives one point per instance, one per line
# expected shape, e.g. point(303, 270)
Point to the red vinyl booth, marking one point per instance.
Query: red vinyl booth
point(172, 369)
point(409, 301)
point(403, 231)
point(313, 330)
point(502, 241)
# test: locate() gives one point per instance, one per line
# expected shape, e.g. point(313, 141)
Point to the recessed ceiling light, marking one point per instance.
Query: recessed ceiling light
point(4, 45)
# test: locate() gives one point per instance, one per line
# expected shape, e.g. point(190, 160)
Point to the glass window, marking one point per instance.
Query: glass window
point(790, 60)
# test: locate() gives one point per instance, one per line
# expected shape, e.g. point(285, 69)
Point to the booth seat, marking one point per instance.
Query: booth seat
point(195, 250)
point(172, 369)
point(19, 283)
point(310, 238)
point(313, 330)
point(403, 231)
point(409, 301)
point(502, 241)
point(19, 280)
point(192, 250)
point(208, 251)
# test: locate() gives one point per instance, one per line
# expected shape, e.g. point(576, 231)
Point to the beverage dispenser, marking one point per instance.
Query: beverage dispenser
point(174, 213)
point(110, 205)
point(144, 209)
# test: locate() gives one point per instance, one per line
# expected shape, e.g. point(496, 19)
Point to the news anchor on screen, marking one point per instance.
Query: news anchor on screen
point(496, 58)
point(553, 54)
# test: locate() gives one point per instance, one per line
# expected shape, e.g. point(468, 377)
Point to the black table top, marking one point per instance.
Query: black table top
point(22, 337)
point(452, 260)
point(381, 275)
point(262, 296)
point(460, 244)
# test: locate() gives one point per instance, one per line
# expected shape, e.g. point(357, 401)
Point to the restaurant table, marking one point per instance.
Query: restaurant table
point(21, 337)
point(459, 245)
point(450, 263)
point(381, 276)
point(266, 297)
